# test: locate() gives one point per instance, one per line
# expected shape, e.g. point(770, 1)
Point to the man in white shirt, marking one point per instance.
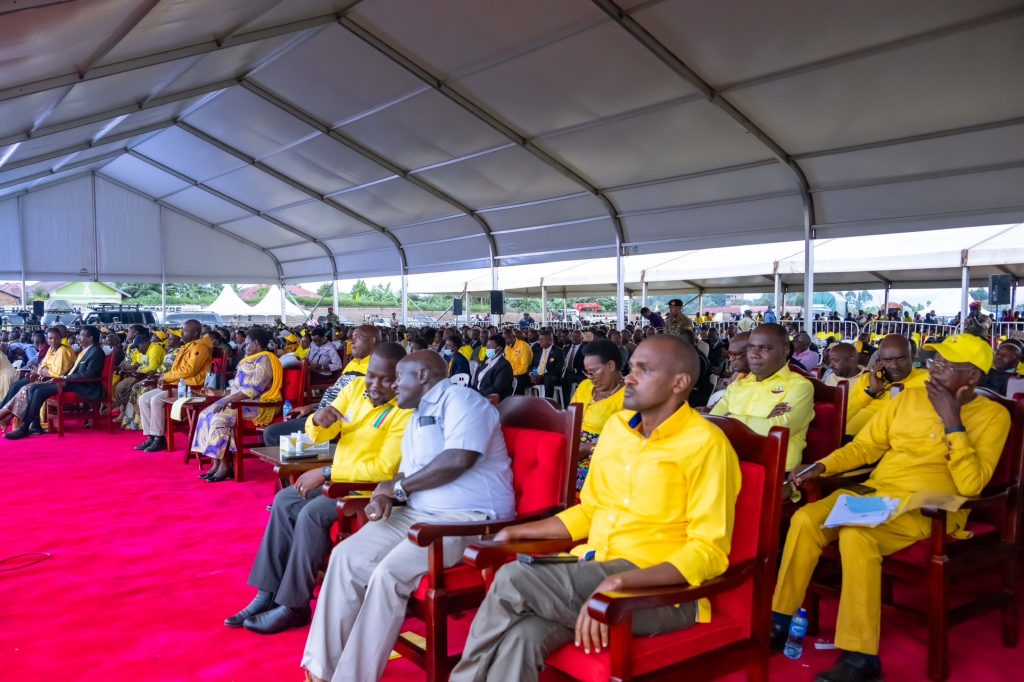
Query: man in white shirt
point(455, 467)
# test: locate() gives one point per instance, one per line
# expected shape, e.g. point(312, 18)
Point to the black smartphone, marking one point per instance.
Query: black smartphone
point(561, 558)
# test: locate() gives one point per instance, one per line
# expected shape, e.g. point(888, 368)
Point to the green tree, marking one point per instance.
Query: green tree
point(359, 290)
point(40, 294)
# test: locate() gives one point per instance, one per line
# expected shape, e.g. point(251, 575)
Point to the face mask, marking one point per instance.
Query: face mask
point(75, 347)
point(490, 353)
point(107, 350)
point(234, 346)
point(446, 353)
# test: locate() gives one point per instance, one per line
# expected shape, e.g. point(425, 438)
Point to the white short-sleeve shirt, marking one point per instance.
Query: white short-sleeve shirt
point(455, 417)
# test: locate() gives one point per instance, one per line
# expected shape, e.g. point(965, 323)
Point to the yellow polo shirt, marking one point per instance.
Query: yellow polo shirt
point(861, 407)
point(151, 361)
point(751, 401)
point(519, 356)
point(908, 441)
point(357, 366)
point(597, 412)
point(668, 498)
point(370, 448)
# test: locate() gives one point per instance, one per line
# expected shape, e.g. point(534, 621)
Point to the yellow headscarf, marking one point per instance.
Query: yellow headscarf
point(266, 414)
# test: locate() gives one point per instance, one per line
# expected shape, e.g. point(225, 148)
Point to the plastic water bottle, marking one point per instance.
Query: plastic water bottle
point(287, 408)
point(797, 629)
point(182, 389)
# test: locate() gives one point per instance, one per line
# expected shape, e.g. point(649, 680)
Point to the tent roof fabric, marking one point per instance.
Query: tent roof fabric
point(297, 140)
point(270, 306)
point(229, 304)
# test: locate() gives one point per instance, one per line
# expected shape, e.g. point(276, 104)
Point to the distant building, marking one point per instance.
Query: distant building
point(252, 294)
point(75, 293)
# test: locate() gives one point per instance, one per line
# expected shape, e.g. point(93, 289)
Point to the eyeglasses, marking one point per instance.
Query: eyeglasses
point(940, 365)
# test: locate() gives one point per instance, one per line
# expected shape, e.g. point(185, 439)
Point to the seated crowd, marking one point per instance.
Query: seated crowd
point(413, 411)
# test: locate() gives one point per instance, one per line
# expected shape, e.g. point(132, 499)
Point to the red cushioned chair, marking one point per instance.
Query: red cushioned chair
point(938, 561)
point(247, 434)
point(825, 434)
point(543, 442)
point(737, 636)
point(56, 407)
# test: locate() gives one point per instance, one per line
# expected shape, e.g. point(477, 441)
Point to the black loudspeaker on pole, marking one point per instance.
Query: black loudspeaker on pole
point(38, 308)
point(497, 302)
point(999, 289)
point(456, 306)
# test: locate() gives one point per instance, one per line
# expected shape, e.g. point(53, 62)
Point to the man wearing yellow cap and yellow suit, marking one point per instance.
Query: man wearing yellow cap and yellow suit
point(939, 437)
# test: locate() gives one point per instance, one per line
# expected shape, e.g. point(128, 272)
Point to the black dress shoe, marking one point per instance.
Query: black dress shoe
point(18, 433)
point(853, 667)
point(278, 619)
point(778, 637)
point(263, 602)
point(36, 430)
point(223, 476)
point(144, 444)
point(159, 443)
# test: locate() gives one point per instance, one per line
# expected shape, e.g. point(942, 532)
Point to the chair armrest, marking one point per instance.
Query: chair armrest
point(257, 403)
point(613, 607)
point(62, 380)
point(340, 489)
point(488, 554)
point(823, 486)
point(351, 506)
point(422, 534)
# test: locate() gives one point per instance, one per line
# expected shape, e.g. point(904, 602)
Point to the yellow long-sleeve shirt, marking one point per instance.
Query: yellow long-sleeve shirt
point(751, 401)
point(370, 448)
point(861, 407)
point(908, 441)
point(57, 361)
point(151, 361)
point(192, 363)
point(520, 356)
point(668, 498)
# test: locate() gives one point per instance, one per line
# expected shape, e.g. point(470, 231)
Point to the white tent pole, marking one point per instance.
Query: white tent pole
point(163, 265)
point(643, 289)
point(965, 286)
point(334, 294)
point(620, 286)
point(700, 302)
point(495, 319)
point(1013, 294)
point(885, 301)
point(95, 232)
point(777, 296)
point(808, 275)
point(405, 297)
point(284, 310)
point(543, 303)
point(21, 246)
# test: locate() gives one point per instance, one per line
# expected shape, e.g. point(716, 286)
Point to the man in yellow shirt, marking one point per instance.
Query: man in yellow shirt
point(892, 370)
point(520, 356)
point(772, 394)
point(939, 438)
point(371, 426)
point(192, 364)
point(657, 509)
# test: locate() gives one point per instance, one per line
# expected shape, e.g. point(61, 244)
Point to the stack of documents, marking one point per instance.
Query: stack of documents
point(861, 511)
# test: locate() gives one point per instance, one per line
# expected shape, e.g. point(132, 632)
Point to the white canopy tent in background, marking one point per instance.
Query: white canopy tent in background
point(199, 141)
point(276, 304)
point(228, 304)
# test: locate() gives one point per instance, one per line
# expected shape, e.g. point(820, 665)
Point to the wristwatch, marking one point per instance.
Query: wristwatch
point(400, 495)
point(326, 472)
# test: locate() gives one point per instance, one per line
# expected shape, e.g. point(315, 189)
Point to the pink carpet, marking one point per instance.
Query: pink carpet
point(147, 560)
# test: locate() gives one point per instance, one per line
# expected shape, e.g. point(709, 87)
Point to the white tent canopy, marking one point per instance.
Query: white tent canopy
point(297, 140)
point(228, 304)
point(274, 304)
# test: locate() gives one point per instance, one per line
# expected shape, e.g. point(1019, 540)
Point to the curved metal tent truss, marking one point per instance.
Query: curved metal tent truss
point(297, 140)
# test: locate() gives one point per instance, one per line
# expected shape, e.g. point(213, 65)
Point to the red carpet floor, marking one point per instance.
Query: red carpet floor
point(147, 560)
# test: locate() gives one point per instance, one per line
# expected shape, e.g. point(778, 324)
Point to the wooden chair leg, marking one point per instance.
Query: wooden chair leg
point(813, 613)
point(1009, 610)
point(60, 420)
point(938, 619)
point(168, 427)
point(437, 641)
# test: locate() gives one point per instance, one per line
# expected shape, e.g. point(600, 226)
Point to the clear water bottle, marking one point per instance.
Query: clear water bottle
point(182, 388)
point(797, 629)
point(287, 409)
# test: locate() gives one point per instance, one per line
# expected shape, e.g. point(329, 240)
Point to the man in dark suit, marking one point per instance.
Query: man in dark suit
point(88, 367)
point(546, 368)
point(572, 368)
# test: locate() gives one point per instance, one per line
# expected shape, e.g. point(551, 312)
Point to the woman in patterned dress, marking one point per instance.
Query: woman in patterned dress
point(601, 394)
point(259, 376)
point(130, 419)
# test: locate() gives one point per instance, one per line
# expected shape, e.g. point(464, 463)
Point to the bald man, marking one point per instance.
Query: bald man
point(843, 364)
point(657, 509)
point(891, 372)
point(454, 468)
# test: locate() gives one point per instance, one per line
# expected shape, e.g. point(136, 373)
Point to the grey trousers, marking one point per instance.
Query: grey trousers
point(363, 598)
point(294, 545)
point(531, 611)
point(272, 434)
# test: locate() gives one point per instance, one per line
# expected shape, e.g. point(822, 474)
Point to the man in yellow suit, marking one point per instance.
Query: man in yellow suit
point(940, 438)
point(891, 371)
point(520, 356)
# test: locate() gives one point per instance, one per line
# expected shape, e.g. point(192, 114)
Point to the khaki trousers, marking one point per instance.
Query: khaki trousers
point(362, 601)
point(151, 412)
point(858, 624)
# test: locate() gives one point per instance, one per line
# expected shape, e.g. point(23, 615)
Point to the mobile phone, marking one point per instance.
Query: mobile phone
point(560, 558)
point(860, 489)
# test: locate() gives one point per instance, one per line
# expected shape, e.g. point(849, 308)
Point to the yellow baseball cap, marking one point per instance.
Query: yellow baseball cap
point(967, 348)
point(291, 338)
point(176, 332)
point(160, 335)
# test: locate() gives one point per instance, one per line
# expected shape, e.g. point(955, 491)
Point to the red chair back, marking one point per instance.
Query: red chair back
point(1010, 468)
point(755, 534)
point(294, 383)
point(544, 445)
point(219, 366)
point(826, 431)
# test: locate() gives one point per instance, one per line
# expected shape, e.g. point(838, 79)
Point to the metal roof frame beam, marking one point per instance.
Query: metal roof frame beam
point(72, 149)
point(333, 133)
point(489, 119)
point(240, 204)
point(63, 169)
point(292, 182)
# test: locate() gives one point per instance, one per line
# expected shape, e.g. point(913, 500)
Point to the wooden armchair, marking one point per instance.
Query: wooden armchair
point(56, 411)
point(247, 434)
point(937, 562)
point(543, 443)
point(737, 636)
